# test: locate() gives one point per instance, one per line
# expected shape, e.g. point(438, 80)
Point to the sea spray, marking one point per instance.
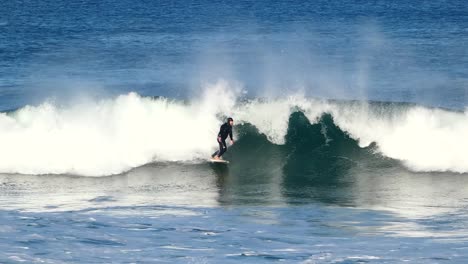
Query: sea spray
point(114, 135)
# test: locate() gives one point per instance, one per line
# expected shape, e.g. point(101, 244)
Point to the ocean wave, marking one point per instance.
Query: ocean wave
point(114, 135)
point(423, 139)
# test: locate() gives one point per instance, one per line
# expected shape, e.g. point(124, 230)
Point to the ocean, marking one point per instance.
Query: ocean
point(350, 128)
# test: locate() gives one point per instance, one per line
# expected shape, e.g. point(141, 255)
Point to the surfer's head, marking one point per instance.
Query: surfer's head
point(230, 121)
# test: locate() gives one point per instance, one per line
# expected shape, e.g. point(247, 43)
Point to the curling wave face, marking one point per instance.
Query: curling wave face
point(112, 136)
point(423, 139)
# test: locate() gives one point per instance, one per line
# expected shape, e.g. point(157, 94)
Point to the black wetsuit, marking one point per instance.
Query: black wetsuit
point(224, 131)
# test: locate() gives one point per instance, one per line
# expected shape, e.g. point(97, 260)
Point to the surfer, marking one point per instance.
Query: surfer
point(224, 131)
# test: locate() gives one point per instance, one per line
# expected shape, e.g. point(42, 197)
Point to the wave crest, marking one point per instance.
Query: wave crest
point(114, 135)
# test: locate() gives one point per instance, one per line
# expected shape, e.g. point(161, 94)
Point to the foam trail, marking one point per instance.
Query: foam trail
point(111, 136)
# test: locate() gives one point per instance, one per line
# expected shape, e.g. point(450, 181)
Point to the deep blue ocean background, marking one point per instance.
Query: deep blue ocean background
point(351, 124)
point(379, 50)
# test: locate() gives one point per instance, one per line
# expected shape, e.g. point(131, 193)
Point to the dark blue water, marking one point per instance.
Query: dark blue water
point(96, 167)
point(380, 50)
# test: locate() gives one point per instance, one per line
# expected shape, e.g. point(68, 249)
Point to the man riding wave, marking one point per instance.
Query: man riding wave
point(224, 131)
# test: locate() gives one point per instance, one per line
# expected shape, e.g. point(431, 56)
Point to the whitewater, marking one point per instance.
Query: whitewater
point(111, 136)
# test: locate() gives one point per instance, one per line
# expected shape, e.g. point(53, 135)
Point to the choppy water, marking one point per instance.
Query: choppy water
point(203, 213)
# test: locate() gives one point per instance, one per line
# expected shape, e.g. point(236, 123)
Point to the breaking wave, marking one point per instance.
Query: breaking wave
point(114, 135)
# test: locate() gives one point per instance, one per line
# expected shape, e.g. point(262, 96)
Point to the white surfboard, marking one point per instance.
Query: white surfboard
point(219, 161)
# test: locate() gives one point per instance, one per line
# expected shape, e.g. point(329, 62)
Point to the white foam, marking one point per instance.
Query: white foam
point(424, 139)
point(111, 136)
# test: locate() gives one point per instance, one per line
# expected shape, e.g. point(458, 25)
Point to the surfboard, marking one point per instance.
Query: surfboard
point(219, 161)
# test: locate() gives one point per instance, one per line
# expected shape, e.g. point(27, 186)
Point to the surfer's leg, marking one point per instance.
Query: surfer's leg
point(222, 148)
point(219, 152)
point(215, 154)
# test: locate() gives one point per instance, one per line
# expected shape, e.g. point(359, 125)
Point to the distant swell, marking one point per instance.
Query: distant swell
point(111, 136)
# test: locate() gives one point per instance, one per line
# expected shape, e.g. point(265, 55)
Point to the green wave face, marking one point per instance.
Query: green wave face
point(317, 162)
